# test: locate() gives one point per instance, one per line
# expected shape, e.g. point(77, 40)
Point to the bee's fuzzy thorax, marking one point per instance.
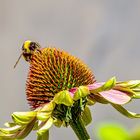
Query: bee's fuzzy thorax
point(52, 70)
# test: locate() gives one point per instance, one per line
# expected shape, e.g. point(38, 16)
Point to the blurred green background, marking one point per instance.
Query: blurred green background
point(116, 131)
point(105, 34)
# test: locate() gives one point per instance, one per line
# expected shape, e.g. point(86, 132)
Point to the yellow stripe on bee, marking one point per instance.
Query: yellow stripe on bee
point(26, 45)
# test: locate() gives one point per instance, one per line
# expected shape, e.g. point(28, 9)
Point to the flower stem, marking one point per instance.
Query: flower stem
point(79, 128)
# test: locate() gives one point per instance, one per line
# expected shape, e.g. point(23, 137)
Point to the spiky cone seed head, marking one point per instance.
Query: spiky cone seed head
point(51, 71)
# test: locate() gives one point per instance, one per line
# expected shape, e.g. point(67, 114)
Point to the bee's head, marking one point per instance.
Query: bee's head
point(28, 48)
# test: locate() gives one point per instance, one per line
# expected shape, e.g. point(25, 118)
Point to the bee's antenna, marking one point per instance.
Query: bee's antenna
point(18, 60)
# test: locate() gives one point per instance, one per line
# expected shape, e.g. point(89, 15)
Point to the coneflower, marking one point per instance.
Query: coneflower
point(59, 89)
point(51, 71)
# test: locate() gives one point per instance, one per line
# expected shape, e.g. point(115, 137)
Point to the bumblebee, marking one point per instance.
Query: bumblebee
point(28, 48)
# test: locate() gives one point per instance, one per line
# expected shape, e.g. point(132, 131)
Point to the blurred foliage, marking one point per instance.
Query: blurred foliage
point(115, 131)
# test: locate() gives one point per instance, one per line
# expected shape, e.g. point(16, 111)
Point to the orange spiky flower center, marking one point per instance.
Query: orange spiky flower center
point(51, 71)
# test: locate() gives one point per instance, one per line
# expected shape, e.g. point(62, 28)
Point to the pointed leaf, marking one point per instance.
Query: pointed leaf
point(99, 87)
point(43, 130)
point(44, 136)
point(7, 136)
point(38, 124)
point(81, 92)
point(43, 116)
point(24, 132)
point(8, 124)
point(45, 112)
point(132, 87)
point(63, 97)
point(58, 123)
point(48, 107)
point(4, 138)
point(90, 102)
point(131, 84)
point(86, 116)
point(125, 112)
point(16, 132)
point(23, 118)
point(136, 95)
point(11, 130)
point(109, 84)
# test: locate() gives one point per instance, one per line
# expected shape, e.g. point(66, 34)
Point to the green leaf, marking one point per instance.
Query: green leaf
point(86, 116)
point(24, 132)
point(8, 124)
point(109, 84)
point(38, 124)
point(23, 118)
point(10, 130)
point(106, 86)
point(98, 98)
point(43, 131)
point(43, 116)
point(45, 112)
point(125, 112)
point(132, 86)
point(90, 101)
point(6, 136)
point(63, 97)
point(44, 136)
point(81, 92)
point(48, 107)
point(58, 123)
point(136, 94)
point(112, 132)
point(16, 132)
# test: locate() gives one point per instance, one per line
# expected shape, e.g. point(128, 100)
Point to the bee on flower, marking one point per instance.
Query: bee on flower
point(59, 89)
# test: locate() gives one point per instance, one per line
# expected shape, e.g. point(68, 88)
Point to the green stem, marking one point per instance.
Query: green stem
point(79, 129)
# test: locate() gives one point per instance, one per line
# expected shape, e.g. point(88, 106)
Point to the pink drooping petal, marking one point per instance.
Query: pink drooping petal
point(90, 87)
point(95, 85)
point(115, 96)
